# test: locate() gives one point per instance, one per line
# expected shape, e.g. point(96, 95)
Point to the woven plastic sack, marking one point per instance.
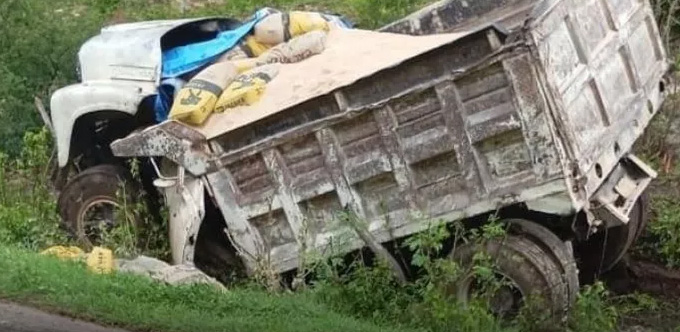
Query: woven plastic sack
point(247, 88)
point(196, 101)
point(281, 27)
point(69, 253)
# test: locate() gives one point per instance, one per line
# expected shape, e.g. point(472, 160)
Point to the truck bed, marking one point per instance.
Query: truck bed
point(455, 126)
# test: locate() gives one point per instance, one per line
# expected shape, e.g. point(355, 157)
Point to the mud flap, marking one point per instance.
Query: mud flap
point(184, 198)
point(613, 202)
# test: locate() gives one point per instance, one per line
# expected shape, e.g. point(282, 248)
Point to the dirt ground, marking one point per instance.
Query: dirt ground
point(15, 318)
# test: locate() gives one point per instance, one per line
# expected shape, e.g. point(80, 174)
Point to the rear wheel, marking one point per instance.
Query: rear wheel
point(603, 251)
point(89, 202)
point(526, 270)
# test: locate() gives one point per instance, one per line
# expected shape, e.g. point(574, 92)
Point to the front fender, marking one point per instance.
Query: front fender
point(70, 103)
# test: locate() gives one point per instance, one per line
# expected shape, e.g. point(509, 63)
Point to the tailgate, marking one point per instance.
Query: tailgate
point(603, 61)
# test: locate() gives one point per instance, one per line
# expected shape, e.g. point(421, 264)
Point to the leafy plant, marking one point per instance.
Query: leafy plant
point(592, 311)
point(136, 230)
point(27, 209)
point(662, 241)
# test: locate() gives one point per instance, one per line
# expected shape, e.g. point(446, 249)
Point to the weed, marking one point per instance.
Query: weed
point(137, 230)
point(635, 303)
point(27, 209)
point(592, 312)
point(662, 241)
point(431, 301)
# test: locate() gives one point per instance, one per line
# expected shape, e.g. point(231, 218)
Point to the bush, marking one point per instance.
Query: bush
point(375, 293)
point(662, 241)
point(28, 215)
point(593, 312)
point(37, 55)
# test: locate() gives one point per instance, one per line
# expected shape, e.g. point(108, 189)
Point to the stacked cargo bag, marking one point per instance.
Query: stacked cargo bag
point(239, 76)
point(196, 101)
point(282, 27)
point(296, 50)
point(247, 88)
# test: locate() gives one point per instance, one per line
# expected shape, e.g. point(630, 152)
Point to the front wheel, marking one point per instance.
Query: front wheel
point(90, 202)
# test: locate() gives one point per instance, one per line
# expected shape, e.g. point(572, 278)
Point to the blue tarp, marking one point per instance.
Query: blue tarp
point(184, 59)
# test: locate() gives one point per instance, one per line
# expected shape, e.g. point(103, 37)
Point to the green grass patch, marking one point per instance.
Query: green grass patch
point(141, 304)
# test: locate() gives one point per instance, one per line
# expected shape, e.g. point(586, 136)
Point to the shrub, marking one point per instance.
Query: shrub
point(592, 311)
point(662, 241)
point(28, 215)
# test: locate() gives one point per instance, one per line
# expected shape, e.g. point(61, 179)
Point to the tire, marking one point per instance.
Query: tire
point(622, 238)
point(602, 252)
point(551, 243)
point(95, 190)
point(530, 270)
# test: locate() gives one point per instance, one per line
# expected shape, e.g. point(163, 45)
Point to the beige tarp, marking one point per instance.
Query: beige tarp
point(350, 56)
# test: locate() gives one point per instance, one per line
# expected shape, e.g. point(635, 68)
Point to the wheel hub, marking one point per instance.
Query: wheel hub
point(506, 301)
point(96, 217)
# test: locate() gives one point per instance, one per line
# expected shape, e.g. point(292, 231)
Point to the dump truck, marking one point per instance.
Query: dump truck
point(524, 111)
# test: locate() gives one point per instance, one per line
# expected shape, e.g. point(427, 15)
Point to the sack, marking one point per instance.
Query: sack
point(247, 88)
point(100, 260)
point(254, 48)
point(248, 48)
point(196, 101)
point(296, 50)
point(68, 253)
point(244, 65)
point(282, 27)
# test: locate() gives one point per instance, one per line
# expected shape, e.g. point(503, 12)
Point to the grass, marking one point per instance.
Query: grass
point(141, 304)
point(367, 14)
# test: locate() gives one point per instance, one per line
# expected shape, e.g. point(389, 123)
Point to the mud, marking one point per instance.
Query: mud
point(654, 279)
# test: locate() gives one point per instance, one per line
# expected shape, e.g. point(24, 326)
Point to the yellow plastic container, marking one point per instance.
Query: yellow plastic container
point(100, 260)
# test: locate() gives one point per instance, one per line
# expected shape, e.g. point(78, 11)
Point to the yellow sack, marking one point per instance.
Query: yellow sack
point(254, 47)
point(236, 53)
point(248, 48)
point(244, 65)
point(100, 260)
point(281, 27)
point(304, 22)
point(70, 253)
point(247, 88)
point(196, 100)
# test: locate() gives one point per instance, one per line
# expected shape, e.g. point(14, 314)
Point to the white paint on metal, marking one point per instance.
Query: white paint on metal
point(72, 102)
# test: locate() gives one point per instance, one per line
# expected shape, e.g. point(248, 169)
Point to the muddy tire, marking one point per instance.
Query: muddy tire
point(561, 253)
point(527, 269)
point(90, 200)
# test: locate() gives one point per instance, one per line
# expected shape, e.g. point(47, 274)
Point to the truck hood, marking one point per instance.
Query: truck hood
point(130, 51)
